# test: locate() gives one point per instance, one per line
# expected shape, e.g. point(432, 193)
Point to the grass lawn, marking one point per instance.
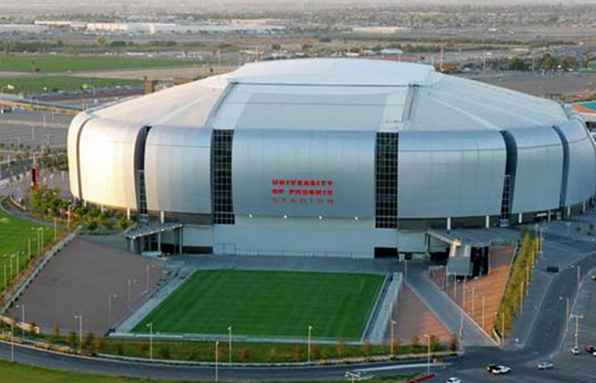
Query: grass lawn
point(14, 239)
point(265, 303)
point(19, 373)
point(64, 63)
point(40, 84)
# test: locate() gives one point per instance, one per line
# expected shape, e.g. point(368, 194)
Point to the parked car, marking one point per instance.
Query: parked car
point(575, 350)
point(546, 365)
point(590, 349)
point(497, 369)
point(454, 379)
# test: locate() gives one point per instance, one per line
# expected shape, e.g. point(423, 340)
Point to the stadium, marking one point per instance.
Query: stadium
point(329, 157)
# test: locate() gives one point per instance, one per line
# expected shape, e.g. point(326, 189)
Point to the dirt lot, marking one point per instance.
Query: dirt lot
point(79, 281)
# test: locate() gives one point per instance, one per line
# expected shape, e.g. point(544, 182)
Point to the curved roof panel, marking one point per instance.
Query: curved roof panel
point(339, 94)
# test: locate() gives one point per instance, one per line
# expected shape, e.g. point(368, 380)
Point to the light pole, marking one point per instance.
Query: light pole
point(427, 353)
point(22, 307)
point(80, 318)
point(230, 344)
point(150, 325)
point(483, 312)
point(131, 282)
point(393, 323)
point(110, 297)
point(216, 360)
point(308, 343)
point(577, 318)
point(12, 342)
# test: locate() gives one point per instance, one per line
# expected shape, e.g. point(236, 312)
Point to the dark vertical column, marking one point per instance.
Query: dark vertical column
point(221, 177)
point(564, 180)
point(386, 179)
point(510, 169)
point(139, 164)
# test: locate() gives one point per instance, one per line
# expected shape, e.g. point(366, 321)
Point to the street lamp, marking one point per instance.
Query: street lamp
point(230, 344)
point(22, 307)
point(427, 354)
point(110, 297)
point(577, 318)
point(12, 341)
point(131, 282)
point(80, 318)
point(393, 324)
point(150, 326)
point(216, 360)
point(308, 343)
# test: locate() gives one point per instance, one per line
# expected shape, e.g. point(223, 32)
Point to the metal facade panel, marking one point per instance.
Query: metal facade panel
point(106, 156)
point(539, 170)
point(72, 151)
point(303, 173)
point(308, 107)
point(581, 183)
point(450, 174)
point(178, 170)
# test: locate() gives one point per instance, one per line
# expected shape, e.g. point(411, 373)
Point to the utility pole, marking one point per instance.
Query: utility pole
point(577, 318)
point(483, 312)
point(391, 346)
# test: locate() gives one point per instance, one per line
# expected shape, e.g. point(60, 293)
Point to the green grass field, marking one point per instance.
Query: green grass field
point(41, 84)
point(264, 303)
point(64, 63)
point(14, 240)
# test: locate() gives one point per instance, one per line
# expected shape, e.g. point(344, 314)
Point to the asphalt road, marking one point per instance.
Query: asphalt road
point(544, 342)
point(157, 371)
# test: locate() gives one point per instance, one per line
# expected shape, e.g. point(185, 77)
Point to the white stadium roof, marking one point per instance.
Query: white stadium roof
point(338, 94)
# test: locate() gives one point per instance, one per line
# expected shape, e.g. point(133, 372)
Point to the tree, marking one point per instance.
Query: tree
point(55, 338)
point(89, 343)
point(366, 348)
point(453, 343)
point(297, 353)
point(415, 342)
point(244, 355)
point(435, 345)
point(99, 344)
point(101, 41)
point(315, 351)
point(396, 344)
point(144, 349)
point(73, 340)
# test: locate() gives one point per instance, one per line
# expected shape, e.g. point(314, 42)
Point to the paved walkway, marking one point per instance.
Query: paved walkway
point(285, 263)
point(445, 309)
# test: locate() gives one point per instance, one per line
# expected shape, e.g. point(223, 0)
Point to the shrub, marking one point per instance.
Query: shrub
point(366, 348)
point(339, 349)
point(164, 352)
point(244, 355)
point(73, 340)
point(143, 349)
point(297, 353)
point(453, 343)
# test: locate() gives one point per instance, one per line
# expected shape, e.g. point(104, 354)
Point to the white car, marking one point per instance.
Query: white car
point(453, 379)
point(545, 365)
point(498, 369)
point(575, 350)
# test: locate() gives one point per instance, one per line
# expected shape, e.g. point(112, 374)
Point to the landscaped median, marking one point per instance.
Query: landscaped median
point(520, 276)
